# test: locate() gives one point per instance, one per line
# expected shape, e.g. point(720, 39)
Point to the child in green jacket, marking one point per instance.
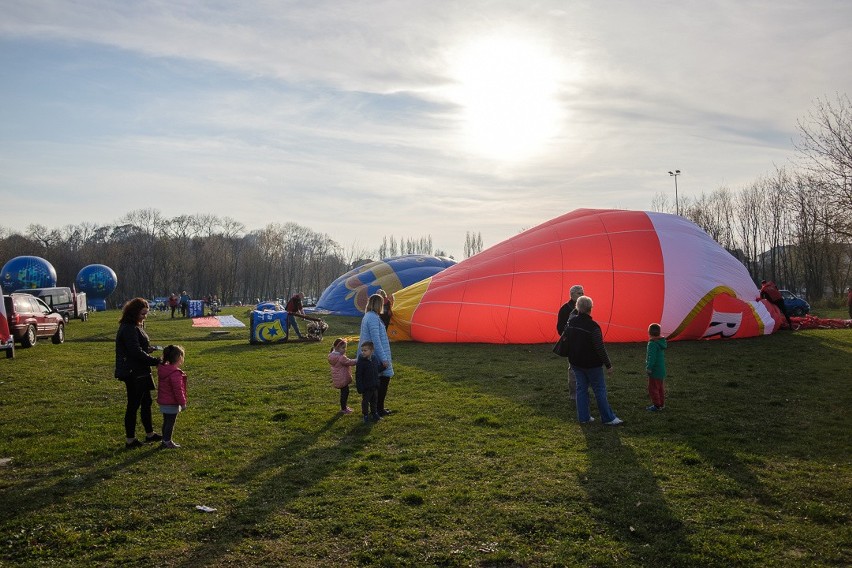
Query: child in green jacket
point(655, 366)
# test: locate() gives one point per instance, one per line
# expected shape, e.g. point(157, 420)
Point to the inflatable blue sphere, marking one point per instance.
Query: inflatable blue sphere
point(27, 272)
point(98, 282)
point(347, 296)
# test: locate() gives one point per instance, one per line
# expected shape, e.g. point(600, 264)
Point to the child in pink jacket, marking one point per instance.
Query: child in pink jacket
point(171, 391)
point(341, 372)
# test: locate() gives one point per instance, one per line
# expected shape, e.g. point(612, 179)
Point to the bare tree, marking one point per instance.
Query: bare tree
point(662, 204)
point(813, 235)
point(472, 243)
point(825, 148)
point(749, 208)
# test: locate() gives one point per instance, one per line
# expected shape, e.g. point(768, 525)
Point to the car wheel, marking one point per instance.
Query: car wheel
point(85, 317)
point(10, 351)
point(799, 312)
point(59, 336)
point(66, 318)
point(30, 337)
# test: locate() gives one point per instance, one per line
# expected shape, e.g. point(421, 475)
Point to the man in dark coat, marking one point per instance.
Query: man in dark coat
point(565, 313)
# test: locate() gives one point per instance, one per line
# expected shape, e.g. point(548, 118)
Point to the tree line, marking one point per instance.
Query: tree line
point(154, 255)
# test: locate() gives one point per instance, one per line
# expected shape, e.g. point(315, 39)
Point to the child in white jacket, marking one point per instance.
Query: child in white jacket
point(341, 372)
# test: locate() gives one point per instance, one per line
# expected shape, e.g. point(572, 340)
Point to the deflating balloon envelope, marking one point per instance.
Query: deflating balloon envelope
point(638, 267)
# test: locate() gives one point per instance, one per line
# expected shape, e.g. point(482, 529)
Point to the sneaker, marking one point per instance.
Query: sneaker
point(385, 412)
point(366, 419)
point(375, 417)
point(153, 437)
point(134, 444)
point(589, 421)
point(346, 410)
point(654, 408)
point(169, 445)
point(614, 422)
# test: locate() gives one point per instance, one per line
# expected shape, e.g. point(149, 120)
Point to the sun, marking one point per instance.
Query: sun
point(508, 91)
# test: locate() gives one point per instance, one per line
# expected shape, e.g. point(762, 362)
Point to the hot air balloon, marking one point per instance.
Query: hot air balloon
point(27, 272)
point(638, 267)
point(97, 281)
point(347, 296)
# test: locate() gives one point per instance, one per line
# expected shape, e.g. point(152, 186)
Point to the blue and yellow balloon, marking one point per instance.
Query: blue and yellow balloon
point(347, 296)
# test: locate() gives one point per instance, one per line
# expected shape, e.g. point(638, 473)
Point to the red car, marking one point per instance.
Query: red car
point(7, 342)
point(30, 318)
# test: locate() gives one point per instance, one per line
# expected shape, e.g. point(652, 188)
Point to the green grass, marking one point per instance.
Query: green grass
point(483, 464)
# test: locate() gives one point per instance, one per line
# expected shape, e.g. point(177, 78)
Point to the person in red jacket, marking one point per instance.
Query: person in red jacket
point(171, 391)
point(294, 306)
point(769, 291)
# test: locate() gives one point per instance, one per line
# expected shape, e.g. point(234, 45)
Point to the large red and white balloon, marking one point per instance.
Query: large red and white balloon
point(638, 267)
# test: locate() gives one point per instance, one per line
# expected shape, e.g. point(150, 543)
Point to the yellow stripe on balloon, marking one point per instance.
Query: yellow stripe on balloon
point(405, 303)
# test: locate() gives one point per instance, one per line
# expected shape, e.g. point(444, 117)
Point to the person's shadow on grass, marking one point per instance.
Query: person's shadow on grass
point(629, 503)
point(298, 466)
point(62, 482)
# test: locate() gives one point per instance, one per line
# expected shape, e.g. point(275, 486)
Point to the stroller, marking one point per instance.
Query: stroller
point(316, 327)
point(213, 307)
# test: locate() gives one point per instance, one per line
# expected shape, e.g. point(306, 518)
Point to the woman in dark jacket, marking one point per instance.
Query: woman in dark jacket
point(133, 364)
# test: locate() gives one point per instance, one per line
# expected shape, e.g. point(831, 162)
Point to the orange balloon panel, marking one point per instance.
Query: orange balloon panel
point(638, 267)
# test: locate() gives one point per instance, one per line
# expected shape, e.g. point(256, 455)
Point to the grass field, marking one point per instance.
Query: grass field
point(482, 464)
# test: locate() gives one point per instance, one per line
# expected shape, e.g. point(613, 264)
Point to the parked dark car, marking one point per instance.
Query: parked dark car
point(69, 304)
point(30, 318)
point(794, 305)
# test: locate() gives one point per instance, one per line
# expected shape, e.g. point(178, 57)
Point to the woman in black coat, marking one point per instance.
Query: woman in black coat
point(133, 362)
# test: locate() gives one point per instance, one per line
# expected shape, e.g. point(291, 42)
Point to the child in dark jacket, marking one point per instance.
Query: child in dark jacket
point(367, 371)
point(655, 367)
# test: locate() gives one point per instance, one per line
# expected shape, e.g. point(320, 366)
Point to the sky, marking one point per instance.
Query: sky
point(400, 117)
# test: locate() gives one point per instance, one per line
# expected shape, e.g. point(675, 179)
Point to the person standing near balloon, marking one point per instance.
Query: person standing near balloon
point(171, 391)
point(567, 310)
point(373, 330)
point(367, 370)
point(184, 303)
point(341, 372)
point(294, 306)
point(387, 307)
point(769, 291)
point(173, 303)
point(587, 356)
point(655, 367)
point(133, 362)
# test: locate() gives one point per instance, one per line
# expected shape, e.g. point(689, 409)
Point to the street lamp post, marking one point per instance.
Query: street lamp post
point(674, 174)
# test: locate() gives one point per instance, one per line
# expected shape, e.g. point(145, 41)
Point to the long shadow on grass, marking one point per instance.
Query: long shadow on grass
point(65, 482)
point(628, 502)
point(295, 467)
